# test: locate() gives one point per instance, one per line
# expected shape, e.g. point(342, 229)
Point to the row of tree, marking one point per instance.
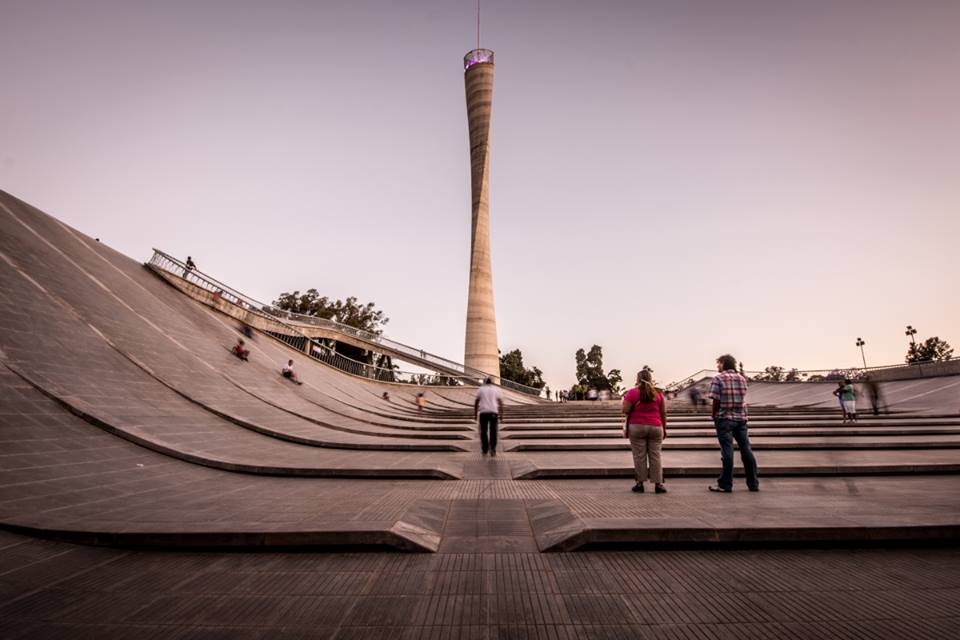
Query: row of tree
point(589, 364)
point(930, 350)
point(589, 371)
point(350, 312)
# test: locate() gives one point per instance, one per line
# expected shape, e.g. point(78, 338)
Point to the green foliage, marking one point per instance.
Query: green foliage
point(511, 368)
point(590, 371)
point(837, 375)
point(930, 350)
point(348, 312)
point(772, 373)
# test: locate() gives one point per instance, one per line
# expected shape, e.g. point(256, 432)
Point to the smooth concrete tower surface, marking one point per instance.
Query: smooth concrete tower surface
point(480, 348)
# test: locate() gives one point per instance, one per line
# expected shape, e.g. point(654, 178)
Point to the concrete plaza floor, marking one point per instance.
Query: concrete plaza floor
point(57, 590)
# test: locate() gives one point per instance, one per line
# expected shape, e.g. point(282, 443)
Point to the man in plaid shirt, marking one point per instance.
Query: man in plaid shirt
point(729, 394)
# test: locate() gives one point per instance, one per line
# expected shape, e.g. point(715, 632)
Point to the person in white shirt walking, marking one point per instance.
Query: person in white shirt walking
point(488, 410)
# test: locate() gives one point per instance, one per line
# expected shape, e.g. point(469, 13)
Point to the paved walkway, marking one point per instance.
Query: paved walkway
point(55, 590)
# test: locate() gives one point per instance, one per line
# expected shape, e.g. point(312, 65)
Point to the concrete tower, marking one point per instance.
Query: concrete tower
point(480, 351)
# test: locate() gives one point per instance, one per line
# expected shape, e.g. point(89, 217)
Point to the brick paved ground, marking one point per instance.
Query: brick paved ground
point(56, 590)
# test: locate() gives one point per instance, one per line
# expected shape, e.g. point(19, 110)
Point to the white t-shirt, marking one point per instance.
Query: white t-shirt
point(488, 395)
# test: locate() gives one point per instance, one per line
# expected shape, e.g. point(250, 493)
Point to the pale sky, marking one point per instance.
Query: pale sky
point(670, 180)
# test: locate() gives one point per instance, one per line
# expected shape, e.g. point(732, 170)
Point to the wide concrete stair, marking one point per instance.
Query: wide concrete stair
point(125, 420)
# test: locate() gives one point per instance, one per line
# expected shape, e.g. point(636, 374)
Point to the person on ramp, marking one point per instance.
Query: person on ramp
point(288, 373)
point(488, 410)
point(240, 350)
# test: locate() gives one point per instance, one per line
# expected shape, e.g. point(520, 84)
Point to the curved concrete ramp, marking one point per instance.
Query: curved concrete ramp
point(125, 420)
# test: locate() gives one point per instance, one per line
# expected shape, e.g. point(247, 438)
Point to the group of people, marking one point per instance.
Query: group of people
point(846, 393)
point(847, 396)
point(646, 427)
point(240, 350)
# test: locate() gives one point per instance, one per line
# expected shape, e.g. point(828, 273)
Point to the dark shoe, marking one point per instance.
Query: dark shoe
point(754, 488)
point(637, 488)
point(484, 452)
point(660, 489)
point(493, 452)
point(717, 489)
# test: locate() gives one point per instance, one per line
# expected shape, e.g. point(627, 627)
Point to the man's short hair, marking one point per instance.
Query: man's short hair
point(727, 361)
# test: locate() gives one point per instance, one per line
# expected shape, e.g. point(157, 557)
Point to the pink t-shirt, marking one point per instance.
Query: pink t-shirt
point(644, 412)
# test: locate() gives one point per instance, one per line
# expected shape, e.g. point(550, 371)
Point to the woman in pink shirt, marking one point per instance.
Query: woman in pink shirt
point(646, 427)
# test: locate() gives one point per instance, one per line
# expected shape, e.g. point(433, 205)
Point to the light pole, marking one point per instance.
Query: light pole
point(911, 332)
point(860, 343)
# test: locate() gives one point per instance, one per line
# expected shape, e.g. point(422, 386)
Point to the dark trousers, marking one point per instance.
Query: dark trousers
point(727, 432)
point(488, 423)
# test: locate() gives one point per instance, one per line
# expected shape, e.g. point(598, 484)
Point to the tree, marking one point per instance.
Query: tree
point(794, 375)
point(348, 312)
point(841, 374)
point(511, 368)
point(772, 373)
point(590, 371)
point(930, 350)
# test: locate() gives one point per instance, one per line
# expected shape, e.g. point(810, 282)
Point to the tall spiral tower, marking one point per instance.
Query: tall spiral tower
point(480, 350)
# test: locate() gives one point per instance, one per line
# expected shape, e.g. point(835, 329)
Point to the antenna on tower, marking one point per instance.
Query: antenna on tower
point(478, 24)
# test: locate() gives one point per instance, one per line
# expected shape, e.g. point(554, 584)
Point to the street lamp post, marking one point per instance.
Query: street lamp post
point(860, 343)
point(911, 332)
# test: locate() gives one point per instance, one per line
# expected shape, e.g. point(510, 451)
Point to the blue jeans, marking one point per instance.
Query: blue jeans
point(727, 432)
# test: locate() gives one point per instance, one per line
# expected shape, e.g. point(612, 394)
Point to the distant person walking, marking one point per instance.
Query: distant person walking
point(729, 394)
point(488, 411)
point(421, 401)
point(875, 394)
point(848, 399)
point(188, 266)
point(695, 397)
point(646, 427)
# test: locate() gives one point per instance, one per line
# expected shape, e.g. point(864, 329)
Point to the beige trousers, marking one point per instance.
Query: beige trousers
point(646, 441)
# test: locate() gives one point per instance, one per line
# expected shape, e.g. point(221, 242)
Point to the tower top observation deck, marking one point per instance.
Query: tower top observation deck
point(477, 56)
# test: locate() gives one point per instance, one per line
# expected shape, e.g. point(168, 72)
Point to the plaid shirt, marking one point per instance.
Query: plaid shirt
point(730, 388)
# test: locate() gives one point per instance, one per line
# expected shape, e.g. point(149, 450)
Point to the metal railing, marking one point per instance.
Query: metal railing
point(298, 339)
point(811, 375)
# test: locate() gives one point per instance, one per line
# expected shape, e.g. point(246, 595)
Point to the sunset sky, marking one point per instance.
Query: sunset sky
point(669, 180)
